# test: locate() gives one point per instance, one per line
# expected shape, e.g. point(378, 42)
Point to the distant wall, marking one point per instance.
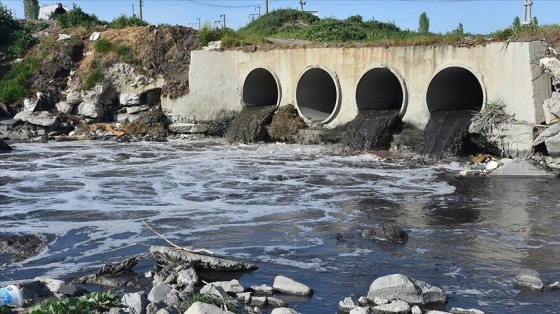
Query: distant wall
point(330, 85)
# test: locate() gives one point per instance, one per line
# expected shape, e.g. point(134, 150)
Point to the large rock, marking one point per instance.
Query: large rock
point(395, 307)
point(205, 308)
point(529, 278)
point(551, 131)
point(401, 287)
point(510, 137)
point(386, 232)
point(553, 145)
point(187, 277)
point(551, 66)
point(4, 146)
point(520, 168)
point(42, 118)
point(159, 293)
point(91, 103)
point(64, 107)
point(136, 301)
point(232, 286)
point(61, 288)
point(290, 286)
point(284, 310)
point(129, 100)
point(167, 255)
point(551, 108)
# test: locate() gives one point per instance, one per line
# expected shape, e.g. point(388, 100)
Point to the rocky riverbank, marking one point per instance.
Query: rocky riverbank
point(195, 281)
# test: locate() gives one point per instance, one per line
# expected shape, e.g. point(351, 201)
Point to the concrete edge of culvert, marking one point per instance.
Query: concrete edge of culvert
point(269, 89)
point(476, 74)
point(397, 75)
point(308, 112)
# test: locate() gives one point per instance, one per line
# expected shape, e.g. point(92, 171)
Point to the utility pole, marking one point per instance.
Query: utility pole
point(223, 21)
point(198, 22)
point(302, 3)
point(133, 9)
point(252, 16)
point(140, 9)
point(527, 6)
point(265, 7)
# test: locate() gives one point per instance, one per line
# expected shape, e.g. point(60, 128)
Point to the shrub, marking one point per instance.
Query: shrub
point(14, 40)
point(13, 86)
point(94, 76)
point(331, 29)
point(90, 303)
point(125, 54)
point(78, 18)
point(208, 33)
point(279, 21)
point(103, 45)
point(124, 21)
point(21, 41)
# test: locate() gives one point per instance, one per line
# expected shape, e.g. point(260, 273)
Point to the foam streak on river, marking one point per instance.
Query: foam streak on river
point(281, 207)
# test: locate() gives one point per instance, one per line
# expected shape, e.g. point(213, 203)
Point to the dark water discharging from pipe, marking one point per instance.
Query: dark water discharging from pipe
point(446, 133)
point(372, 130)
point(250, 125)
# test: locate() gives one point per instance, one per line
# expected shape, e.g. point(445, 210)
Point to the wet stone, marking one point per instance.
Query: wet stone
point(15, 248)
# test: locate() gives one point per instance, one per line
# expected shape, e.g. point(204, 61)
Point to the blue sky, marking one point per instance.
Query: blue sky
point(477, 16)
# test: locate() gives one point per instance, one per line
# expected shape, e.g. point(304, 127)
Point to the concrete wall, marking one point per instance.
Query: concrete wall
point(508, 73)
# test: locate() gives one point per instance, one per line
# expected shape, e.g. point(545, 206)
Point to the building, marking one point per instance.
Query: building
point(46, 11)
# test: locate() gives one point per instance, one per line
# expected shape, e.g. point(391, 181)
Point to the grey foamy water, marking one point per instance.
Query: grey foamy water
point(281, 207)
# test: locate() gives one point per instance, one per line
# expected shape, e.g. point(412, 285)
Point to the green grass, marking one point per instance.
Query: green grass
point(90, 303)
point(94, 76)
point(294, 24)
point(103, 45)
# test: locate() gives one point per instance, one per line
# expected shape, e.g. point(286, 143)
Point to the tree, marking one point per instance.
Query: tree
point(516, 22)
point(424, 23)
point(31, 9)
point(459, 29)
point(534, 21)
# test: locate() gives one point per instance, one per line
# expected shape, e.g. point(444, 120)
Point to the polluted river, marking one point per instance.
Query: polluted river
point(293, 210)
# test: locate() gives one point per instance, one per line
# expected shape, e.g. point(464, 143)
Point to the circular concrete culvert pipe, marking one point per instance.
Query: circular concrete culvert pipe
point(261, 88)
point(454, 88)
point(317, 95)
point(380, 89)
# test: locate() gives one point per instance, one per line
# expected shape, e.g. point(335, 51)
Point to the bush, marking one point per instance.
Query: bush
point(91, 303)
point(13, 87)
point(125, 54)
point(14, 40)
point(279, 21)
point(78, 18)
point(21, 41)
point(94, 76)
point(103, 45)
point(335, 30)
point(124, 21)
point(207, 33)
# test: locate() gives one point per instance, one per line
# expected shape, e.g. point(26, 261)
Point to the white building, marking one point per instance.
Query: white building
point(46, 11)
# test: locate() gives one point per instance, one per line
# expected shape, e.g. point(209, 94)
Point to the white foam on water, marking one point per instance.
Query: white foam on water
point(93, 196)
point(356, 252)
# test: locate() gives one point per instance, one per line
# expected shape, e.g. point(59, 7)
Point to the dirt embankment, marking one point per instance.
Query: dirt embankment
point(163, 52)
point(160, 52)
